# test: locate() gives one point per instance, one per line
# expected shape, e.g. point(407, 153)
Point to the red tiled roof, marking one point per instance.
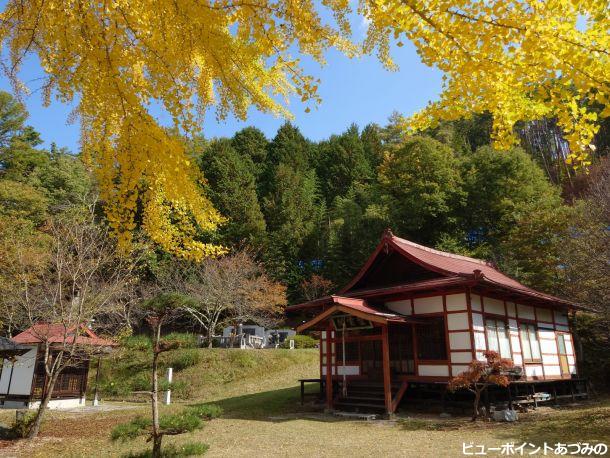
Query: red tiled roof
point(463, 266)
point(356, 307)
point(56, 333)
point(455, 269)
point(360, 305)
point(424, 285)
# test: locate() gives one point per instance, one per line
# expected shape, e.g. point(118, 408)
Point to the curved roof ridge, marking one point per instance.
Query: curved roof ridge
point(445, 253)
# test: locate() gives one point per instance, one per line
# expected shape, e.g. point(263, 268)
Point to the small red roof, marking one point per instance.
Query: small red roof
point(355, 307)
point(59, 333)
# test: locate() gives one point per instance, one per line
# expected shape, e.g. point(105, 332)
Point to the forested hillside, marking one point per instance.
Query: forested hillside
point(311, 212)
point(319, 208)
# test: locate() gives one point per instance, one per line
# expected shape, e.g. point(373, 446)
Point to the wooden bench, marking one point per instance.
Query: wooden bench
point(303, 381)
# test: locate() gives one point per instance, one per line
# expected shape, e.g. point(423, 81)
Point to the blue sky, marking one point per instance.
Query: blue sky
point(357, 91)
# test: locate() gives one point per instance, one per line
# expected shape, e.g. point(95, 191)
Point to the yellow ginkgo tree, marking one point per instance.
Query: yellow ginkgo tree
point(116, 59)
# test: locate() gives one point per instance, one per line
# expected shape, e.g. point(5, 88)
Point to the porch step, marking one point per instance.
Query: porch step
point(358, 398)
point(355, 415)
point(360, 406)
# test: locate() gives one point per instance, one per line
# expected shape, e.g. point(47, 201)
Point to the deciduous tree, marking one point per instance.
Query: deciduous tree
point(79, 282)
point(480, 375)
point(515, 60)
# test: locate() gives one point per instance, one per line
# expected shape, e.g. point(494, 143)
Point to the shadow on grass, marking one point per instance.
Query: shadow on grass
point(416, 424)
point(589, 422)
point(274, 406)
point(6, 433)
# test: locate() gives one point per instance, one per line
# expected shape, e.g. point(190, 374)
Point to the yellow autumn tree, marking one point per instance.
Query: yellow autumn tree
point(116, 59)
point(518, 60)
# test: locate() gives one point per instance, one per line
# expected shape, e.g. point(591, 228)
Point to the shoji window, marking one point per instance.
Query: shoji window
point(530, 343)
point(497, 337)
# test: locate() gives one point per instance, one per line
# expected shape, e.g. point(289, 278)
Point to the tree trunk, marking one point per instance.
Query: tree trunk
point(156, 435)
point(477, 399)
point(156, 452)
point(44, 402)
point(210, 336)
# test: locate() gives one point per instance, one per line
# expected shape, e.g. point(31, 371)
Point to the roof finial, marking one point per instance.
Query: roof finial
point(477, 274)
point(388, 233)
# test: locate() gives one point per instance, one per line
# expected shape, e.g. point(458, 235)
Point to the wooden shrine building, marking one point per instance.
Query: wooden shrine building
point(418, 315)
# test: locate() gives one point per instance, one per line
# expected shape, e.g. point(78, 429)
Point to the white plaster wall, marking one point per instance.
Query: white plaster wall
point(459, 340)
point(526, 311)
point(475, 302)
point(494, 306)
point(456, 302)
point(534, 371)
point(68, 403)
point(461, 357)
point(429, 370)
point(403, 307)
point(561, 317)
point(428, 304)
point(348, 370)
point(544, 314)
point(457, 321)
point(511, 309)
point(23, 371)
point(561, 327)
point(457, 369)
point(550, 360)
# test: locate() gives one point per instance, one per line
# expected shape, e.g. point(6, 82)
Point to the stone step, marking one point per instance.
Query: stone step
point(360, 406)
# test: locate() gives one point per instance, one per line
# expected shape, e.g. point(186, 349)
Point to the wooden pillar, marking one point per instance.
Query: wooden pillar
point(387, 384)
point(329, 367)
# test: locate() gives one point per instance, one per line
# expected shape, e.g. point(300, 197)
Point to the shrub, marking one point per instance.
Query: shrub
point(175, 451)
point(183, 422)
point(138, 342)
point(300, 341)
point(184, 339)
point(183, 359)
point(206, 411)
point(244, 358)
point(180, 389)
point(131, 429)
point(22, 425)
point(141, 382)
point(116, 387)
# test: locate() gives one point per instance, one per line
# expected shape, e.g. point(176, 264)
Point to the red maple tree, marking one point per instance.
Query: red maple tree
point(480, 375)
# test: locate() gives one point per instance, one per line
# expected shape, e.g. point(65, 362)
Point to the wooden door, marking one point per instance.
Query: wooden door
point(372, 362)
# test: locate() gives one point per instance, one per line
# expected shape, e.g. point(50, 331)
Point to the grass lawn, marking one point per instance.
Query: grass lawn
point(262, 416)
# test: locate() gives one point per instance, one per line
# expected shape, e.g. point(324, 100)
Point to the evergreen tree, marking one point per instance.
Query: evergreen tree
point(422, 188)
point(231, 187)
point(291, 205)
point(251, 142)
point(342, 162)
point(357, 221)
point(372, 142)
point(500, 186)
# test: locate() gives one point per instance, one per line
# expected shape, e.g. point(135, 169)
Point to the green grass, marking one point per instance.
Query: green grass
point(200, 373)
